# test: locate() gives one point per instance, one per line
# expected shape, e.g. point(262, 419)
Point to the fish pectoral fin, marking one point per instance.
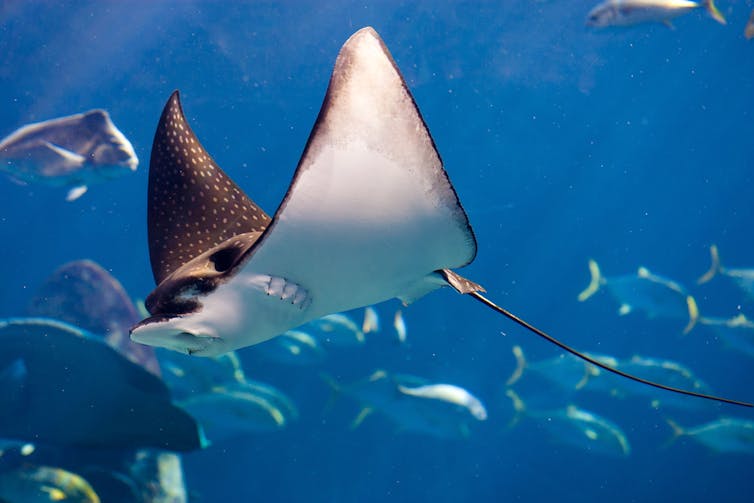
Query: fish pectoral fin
point(363, 414)
point(76, 192)
point(70, 159)
point(668, 24)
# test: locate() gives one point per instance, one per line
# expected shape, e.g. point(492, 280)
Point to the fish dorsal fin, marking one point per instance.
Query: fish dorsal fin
point(193, 205)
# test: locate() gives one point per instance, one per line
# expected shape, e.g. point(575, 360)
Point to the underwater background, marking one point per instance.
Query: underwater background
point(630, 146)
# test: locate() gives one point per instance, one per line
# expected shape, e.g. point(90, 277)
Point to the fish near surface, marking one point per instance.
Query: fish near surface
point(73, 151)
point(632, 12)
point(370, 215)
point(55, 376)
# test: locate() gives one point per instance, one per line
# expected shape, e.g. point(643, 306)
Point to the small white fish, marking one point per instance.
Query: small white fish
point(73, 151)
point(448, 393)
point(632, 12)
point(400, 326)
point(371, 321)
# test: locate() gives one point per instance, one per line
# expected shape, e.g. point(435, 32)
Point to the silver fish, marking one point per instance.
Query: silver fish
point(632, 12)
point(73, 151)
point(576, 427)
point(239, 409)
point(656, 296)
point(417, 405)
point(726, 435)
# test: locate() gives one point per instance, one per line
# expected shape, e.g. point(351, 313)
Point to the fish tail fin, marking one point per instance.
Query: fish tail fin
point(519, 407)
point(678, 431)
point(693, 314)
point(714, 11)
point(715, 267)
point(335, 390)
point(589, 371)
point(520, 366)
point(364, 413)
point(595, 282)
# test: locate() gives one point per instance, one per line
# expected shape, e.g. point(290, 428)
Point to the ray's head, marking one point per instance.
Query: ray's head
point(201, 226)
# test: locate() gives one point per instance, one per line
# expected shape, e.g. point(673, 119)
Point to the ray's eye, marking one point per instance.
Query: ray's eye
point(223, 259)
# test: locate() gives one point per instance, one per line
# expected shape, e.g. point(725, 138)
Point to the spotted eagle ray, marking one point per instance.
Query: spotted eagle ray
point(369, 215)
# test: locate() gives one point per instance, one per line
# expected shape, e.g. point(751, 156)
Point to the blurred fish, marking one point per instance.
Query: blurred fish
point(84, 294)
point(400, 326)
point(75, 390)
point(564, 371)
point(577, 427)
point(654, 295)
point(43, 484)
point(73, 151)
point(239, 409)
point(336, 329)
point(736, 333)
point(371, 321)
point(632, 12)
point(666, 371)
point(725, 435)
point(292, 348)
point(416, 404)
point(749, 29)
point(742, 278)
point(185, 375)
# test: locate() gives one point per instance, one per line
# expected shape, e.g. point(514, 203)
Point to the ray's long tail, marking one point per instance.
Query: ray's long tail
point(593, 361)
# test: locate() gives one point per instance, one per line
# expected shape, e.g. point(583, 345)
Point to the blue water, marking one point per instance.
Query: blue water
point(633, 147)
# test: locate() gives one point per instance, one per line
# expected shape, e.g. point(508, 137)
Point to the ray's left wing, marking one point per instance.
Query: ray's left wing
point(370, 211)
